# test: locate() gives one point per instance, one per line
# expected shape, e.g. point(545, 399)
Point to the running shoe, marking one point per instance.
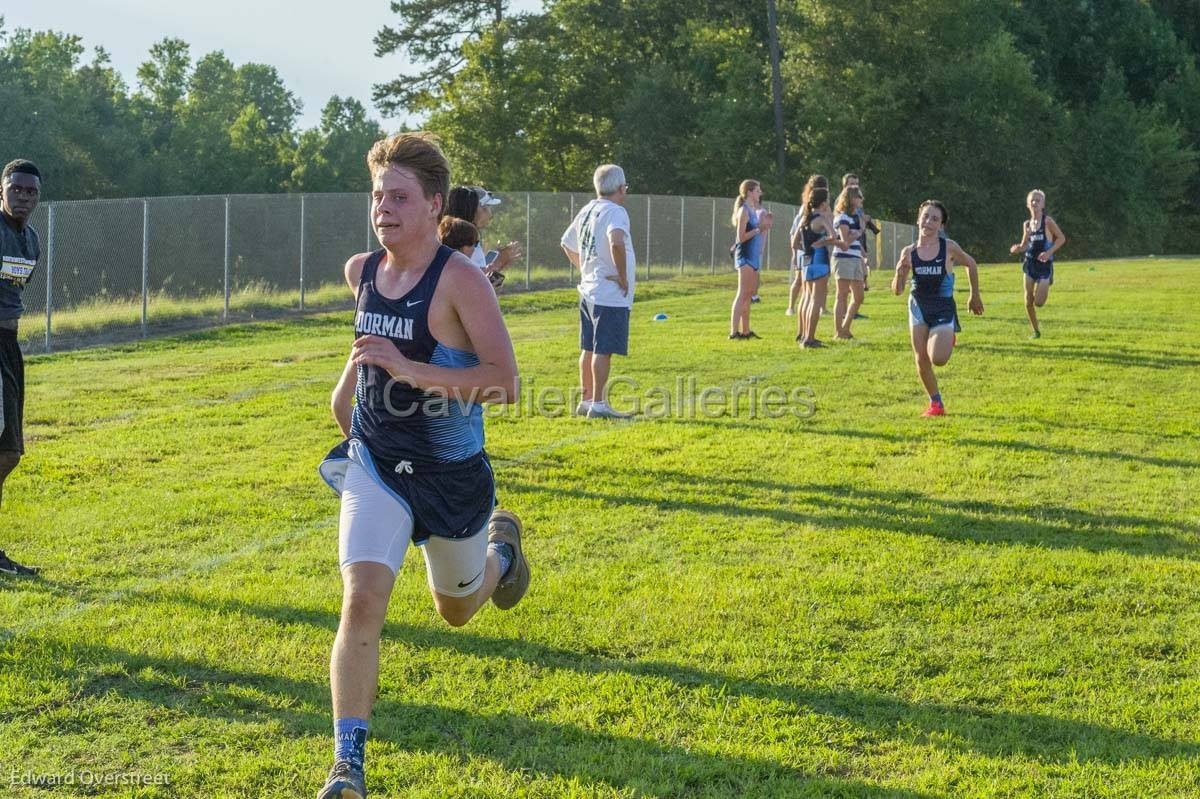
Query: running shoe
point(10, 566)
point(935, 409)
point(582, 408)
point(735, 336)
point(861, 316)
point(751, 334)
point(602, 410)
point(789, 312)
point(505, 526)
point(346, 781)
point(755, 298)
point(1036, 334)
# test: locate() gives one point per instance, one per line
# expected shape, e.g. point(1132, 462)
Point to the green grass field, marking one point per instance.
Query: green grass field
point(863, 603)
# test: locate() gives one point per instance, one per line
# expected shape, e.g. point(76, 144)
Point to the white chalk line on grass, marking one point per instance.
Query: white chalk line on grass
point(217, 561)
point(257, 391)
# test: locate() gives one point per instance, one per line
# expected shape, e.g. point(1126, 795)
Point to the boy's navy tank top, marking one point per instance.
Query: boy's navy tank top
point(1037, 244)
point(397, 421)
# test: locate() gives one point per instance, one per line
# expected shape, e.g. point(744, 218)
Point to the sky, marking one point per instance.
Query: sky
point(319, 49)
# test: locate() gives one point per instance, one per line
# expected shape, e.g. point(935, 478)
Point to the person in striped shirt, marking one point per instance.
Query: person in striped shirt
point(848, 266)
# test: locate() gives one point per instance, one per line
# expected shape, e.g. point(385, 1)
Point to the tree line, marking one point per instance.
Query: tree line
point(975, 102)
point(192, 126)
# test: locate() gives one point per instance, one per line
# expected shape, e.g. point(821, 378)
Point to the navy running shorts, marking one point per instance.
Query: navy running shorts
point(1039, 271)
point(932, 312)
point(603, 329)
point(447, 500)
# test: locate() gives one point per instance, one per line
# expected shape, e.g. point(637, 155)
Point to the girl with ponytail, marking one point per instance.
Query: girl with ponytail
point(751, 222)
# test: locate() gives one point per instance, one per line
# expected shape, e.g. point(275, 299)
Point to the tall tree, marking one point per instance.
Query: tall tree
point(163, 84)
point(69, 116)
point(776, 90)
point(332, 156)
point(1184, 15)
point(567, 98)
point(432, 33)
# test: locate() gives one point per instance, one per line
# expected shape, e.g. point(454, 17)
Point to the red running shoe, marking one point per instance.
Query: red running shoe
point(935, 409)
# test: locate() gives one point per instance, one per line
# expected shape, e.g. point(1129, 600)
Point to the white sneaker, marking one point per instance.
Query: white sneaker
point(601, 410)
point(582, 408)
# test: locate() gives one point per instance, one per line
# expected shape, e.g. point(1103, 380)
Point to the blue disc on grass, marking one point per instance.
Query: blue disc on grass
point(660, 317)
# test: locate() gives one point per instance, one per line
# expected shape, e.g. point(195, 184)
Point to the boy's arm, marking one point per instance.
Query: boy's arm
point(342, 400)
point(1024, 240)
point(960, 257)
point(902, 266)
point(1060, 238)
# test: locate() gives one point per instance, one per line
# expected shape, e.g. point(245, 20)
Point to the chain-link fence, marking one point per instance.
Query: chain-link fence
point(112, 270)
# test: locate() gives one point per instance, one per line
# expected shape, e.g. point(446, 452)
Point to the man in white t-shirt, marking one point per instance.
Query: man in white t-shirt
point(600, 246)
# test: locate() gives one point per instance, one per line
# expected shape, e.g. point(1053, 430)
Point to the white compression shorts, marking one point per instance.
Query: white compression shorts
point(375, 527)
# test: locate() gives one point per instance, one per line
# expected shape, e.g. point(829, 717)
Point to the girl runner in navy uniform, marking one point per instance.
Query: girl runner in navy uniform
point(751, 222)
point(430, 346)
point(1041, 237)
point(932, 313)
point(814, 234)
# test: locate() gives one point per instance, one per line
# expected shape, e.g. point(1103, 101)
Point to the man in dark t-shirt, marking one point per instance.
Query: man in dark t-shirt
point(20, 248)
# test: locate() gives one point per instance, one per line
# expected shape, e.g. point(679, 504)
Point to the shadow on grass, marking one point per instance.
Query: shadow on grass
point(837, 506)
point(198, 689)
point(1109, 356)
point(1056, 450)
point(920, 436)
point(887, 718)
point(1057, 426)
